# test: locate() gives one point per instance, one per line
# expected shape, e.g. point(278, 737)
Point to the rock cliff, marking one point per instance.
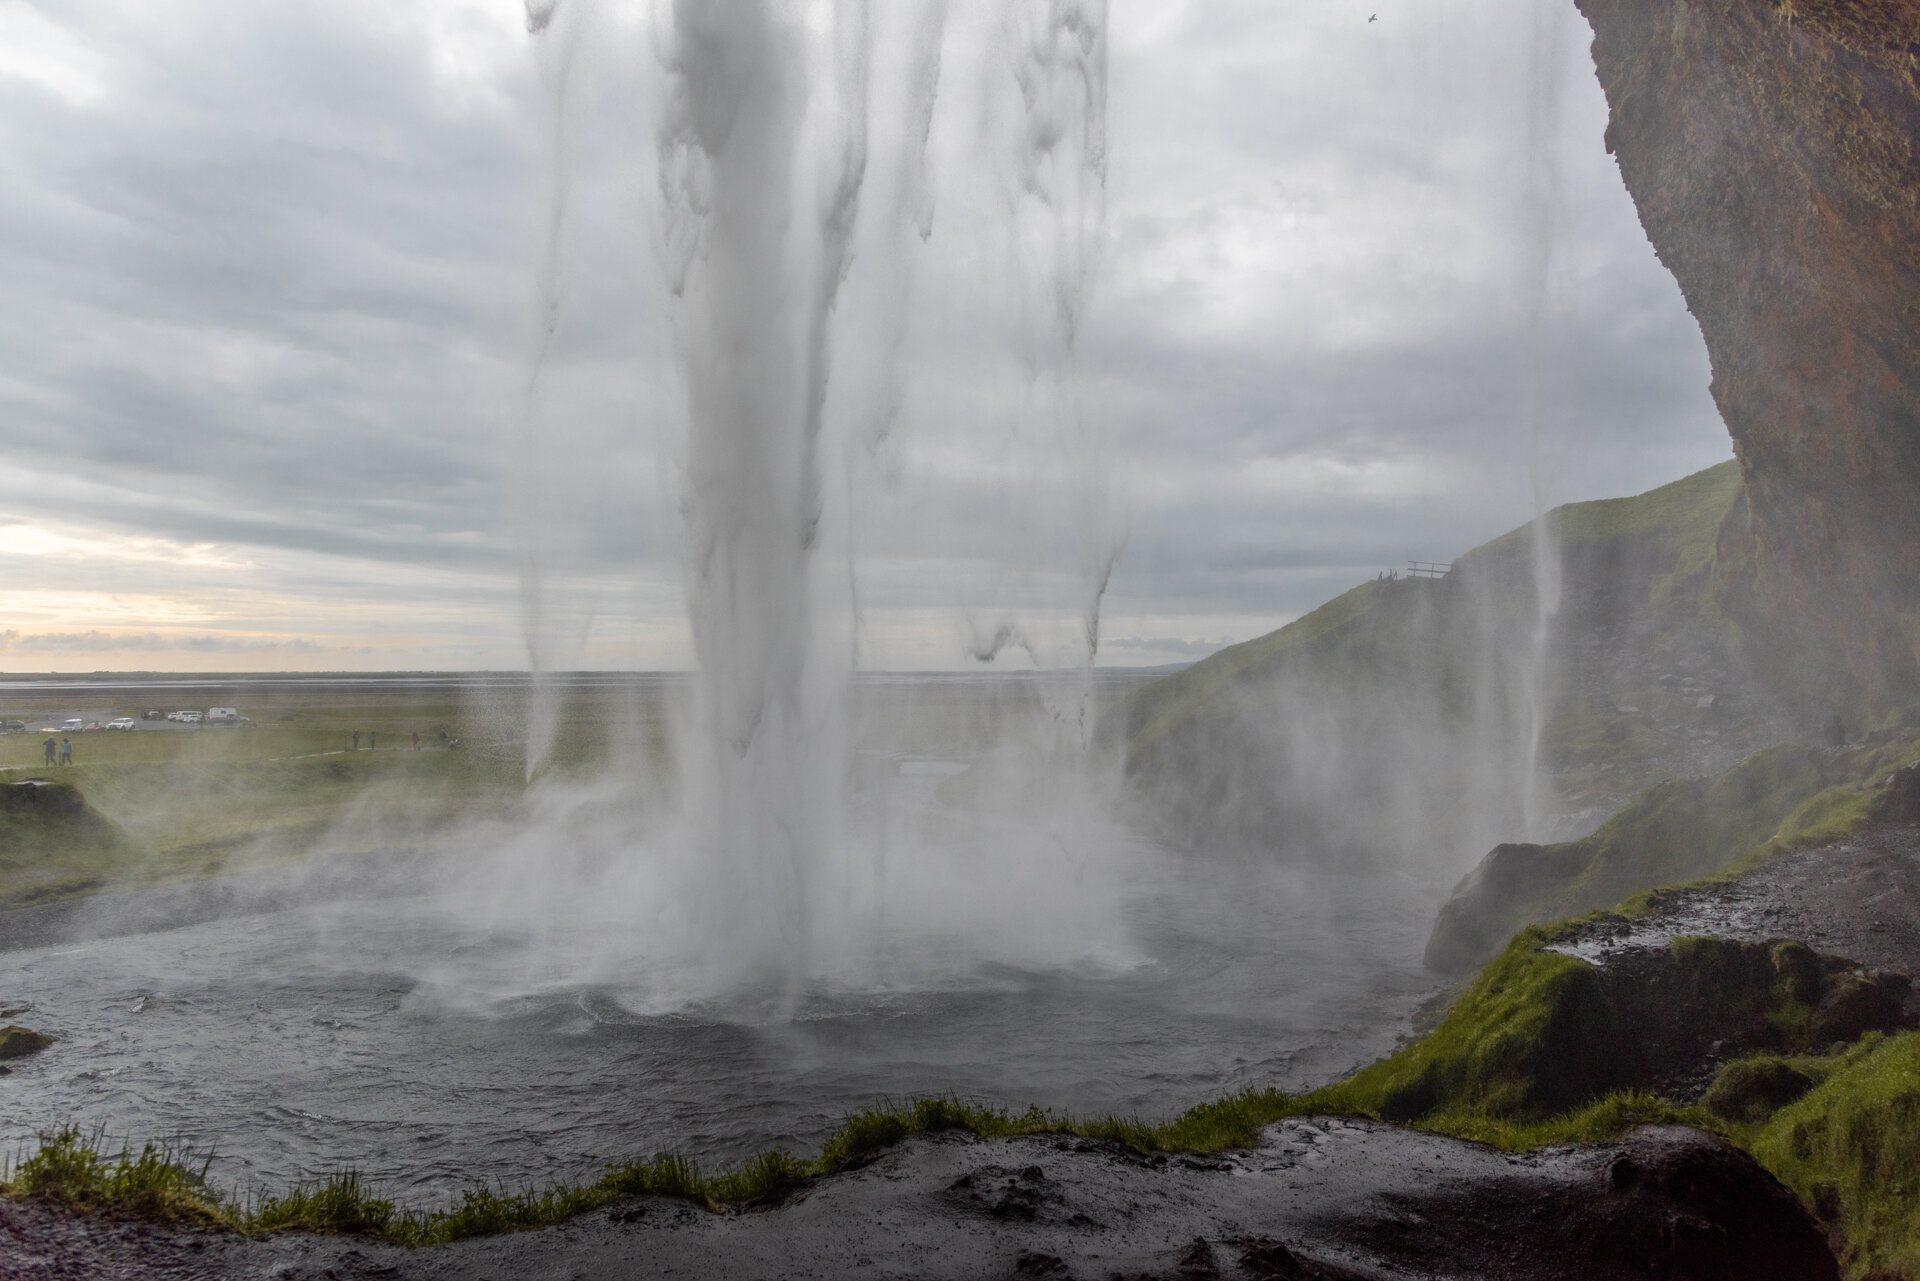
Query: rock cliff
point(1773, 150)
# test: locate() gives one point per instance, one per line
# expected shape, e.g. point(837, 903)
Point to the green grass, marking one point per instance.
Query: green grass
point(1850, 1150)
point(160, 1182)
point(196, 802)
point(1510, 1047)
point(1607, 1117)
point(73, 1168)
point(1848, 1147)
point(1684, 516)
point(192, 817)
point(1678, 525)
point(1168, 704)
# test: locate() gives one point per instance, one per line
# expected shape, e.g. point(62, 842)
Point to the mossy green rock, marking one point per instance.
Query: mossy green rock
point(1753, 1089)
point(17, 1042)
point(1541, 1032)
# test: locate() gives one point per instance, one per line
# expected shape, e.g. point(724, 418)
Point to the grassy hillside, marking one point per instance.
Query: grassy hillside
point(1672, 527)
point(1447, 694)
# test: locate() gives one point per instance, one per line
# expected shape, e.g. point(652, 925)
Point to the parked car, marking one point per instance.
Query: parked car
point(223, 716)
point(153, 716)
point(192, 718)
point(123, 722)
point(72, 725)
point(13, 727)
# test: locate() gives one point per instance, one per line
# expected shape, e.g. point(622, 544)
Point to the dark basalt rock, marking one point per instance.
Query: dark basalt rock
point(1769, 148)
point(1674, 1014)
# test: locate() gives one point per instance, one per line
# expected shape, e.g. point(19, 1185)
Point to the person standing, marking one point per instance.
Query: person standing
point(356, 740)
point(373, 740)
point(416, 740)
point(51, 747)
point(66, 751)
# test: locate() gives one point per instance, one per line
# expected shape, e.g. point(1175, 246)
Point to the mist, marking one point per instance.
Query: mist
point(830, 360)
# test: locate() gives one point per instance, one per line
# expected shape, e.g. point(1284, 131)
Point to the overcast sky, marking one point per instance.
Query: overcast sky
point(269, 276)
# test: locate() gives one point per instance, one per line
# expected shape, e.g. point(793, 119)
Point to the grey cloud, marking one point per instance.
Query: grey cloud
point(14, 641)
point(271, 292)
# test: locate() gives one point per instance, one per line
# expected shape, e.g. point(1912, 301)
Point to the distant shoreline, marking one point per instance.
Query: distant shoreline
point(473, 680)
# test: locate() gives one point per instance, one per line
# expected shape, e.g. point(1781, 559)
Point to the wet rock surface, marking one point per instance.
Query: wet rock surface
point(1320, 1198)
point(1858, 898)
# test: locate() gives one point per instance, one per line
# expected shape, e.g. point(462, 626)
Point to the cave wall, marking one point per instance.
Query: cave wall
point(1773, 151)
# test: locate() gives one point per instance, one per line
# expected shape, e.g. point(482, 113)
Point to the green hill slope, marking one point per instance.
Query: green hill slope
point(1443, 716)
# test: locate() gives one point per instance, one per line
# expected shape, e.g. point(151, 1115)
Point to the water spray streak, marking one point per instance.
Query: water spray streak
point(558, 56)
point(1540, 215)
point(1059, 50)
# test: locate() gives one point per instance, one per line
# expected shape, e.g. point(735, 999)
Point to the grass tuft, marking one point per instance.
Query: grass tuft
point(1850, 1149)
point(162, 1182)
point(343, 1203)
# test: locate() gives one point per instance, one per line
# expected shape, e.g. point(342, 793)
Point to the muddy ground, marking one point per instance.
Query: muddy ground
point(1320, 1198)
point(1859, 898)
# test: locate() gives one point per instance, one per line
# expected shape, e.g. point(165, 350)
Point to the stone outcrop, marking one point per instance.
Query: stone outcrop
point(1773, 151)
point(17, 1042)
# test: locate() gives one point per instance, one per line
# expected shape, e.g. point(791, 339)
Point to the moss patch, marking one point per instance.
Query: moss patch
point(1518, 1044)
point(1753, 1089)
point(1850, 1149)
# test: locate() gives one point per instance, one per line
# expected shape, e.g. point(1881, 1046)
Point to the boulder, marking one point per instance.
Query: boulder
point(17, 1042)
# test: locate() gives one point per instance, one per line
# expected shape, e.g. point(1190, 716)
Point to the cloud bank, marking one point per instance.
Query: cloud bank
point(270, 272)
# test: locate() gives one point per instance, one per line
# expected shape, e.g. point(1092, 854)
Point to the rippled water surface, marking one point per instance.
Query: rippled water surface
point(301, 1040)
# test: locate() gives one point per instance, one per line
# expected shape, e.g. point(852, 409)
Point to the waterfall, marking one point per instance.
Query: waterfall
point(779, 155)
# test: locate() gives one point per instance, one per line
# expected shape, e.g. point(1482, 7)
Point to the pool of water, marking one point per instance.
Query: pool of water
point(350, 1030)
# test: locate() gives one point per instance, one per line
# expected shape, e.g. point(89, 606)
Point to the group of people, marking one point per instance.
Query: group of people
point(64, 747)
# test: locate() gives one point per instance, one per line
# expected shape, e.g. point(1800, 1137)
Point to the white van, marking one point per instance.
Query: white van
point(72, 726)
point(222, 715)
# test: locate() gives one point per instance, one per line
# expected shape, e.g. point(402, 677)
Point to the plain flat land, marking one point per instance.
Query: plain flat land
point(190, 801)
point(201, 800)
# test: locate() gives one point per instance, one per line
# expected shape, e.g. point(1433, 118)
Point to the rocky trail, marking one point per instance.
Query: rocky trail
point(1858, 898)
